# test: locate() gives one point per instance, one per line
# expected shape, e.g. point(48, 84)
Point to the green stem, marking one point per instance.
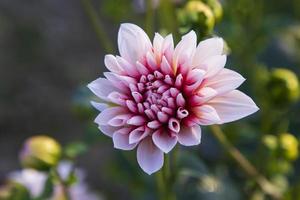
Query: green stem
point(165, 182)
point(97, 26)
point(65, 190)
point(266, 186)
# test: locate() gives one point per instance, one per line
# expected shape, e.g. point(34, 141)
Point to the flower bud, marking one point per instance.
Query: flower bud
point(283, 87)
point(270, 142)
point(40, 152)
point(216, 8)
point(13, 190)
point(289, 146)
point(197, 16)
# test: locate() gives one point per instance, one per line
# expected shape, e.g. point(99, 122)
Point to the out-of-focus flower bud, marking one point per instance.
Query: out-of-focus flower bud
point(13, 190)
point(270, 142)
point(283, 87)
point(198, 16)
point(289, 145)
point(40, 152)
point(216, 8)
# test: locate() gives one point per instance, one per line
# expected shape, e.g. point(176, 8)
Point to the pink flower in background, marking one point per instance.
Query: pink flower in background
point(156, 95)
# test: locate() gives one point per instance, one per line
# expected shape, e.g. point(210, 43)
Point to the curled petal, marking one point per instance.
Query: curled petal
point(117, 98)
point(119, 120)
point(109, 113)
point(121, 139)
point(189, 136)
point(138, 134)
point(182, 113)
point(149, 157)
point(232, 106)
point(164, 140)
point(174, 125)
point(136, 120)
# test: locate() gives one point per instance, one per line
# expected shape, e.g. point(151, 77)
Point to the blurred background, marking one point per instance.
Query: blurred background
point(51, 49)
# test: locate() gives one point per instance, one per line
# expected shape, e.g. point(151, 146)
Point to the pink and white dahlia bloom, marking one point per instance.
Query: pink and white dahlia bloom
point(156, 95)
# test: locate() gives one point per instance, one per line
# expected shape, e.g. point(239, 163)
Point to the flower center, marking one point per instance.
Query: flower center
point(158, 97)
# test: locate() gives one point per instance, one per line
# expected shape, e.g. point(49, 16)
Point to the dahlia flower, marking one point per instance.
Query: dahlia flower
point(156, 95)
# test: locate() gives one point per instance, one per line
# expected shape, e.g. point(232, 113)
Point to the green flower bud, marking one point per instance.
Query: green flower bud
point(40, 152)
point(217, 9)
point(283, 87)
point(270, 141)
point(197, 16)
point(289, 146)
point(14, 191)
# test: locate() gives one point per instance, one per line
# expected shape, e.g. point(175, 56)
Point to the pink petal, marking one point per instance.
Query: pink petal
point(109, 113)
point(119, 120)
point(129, 68)
point(233, 106)
point(168, 47)
point(182, 113)
point(163, 140)
point(180, 101)
point(108, 130)
point(119, 81)
point(208, 48)
point(225, 81)
point(174, 125)
point(213, 65)
point(133, 42)
point(117, 98)
point(206, 114)
point(149, 157)
point(112, 65)
point(99, 106)
point(185, 49)
point(121, 139)
point(138, 134)
point(136, 120)
point(157, 45)
point(102, 88)
point(166, 67)
point(189, 136)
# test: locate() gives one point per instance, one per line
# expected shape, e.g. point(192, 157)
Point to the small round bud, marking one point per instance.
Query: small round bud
point(216, 8)
point(40, 152)
point(270, 142)
point(283, 87)
point(289, 146)
point(197, 16)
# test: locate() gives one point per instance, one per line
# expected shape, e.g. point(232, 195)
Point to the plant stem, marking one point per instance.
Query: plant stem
point(97, 26)
point(246, 166)
point(165, 181)
point(65, 190)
